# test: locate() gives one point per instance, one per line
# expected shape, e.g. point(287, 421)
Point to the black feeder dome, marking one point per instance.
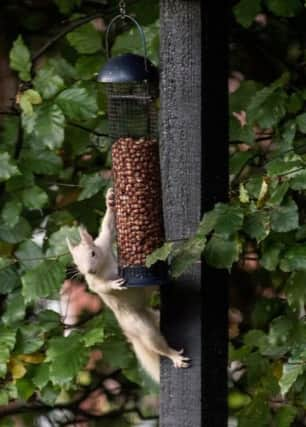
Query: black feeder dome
point(131, 83)
point(128, 68)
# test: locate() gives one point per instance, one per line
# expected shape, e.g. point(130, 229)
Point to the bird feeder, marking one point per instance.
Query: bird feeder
point(131, 84)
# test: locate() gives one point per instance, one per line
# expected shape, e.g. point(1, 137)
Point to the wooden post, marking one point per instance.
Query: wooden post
point(193, 127)
point(180, 135)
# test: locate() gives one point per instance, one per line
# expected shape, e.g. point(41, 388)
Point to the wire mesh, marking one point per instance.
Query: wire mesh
point(132, 110)
point(133, 128)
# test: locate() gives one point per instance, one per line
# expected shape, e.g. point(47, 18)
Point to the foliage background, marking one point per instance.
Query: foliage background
point(259, 235)
point(54, 171)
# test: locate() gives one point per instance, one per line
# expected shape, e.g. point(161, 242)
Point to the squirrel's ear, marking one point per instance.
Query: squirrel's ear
point(69, 244)
point(85, 236)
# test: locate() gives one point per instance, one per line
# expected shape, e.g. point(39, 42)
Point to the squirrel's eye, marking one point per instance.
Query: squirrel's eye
point(93, 253)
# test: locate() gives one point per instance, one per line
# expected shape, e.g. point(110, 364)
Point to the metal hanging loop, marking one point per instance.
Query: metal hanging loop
point(140, 30)
point(122, 8)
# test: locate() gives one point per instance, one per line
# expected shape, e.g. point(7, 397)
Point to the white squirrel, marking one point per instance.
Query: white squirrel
point(96, 261)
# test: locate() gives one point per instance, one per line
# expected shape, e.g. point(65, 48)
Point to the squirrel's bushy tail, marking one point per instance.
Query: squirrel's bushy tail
point(149, 360)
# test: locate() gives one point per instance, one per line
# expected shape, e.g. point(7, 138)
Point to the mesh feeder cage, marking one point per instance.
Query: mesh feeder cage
point(131, 83)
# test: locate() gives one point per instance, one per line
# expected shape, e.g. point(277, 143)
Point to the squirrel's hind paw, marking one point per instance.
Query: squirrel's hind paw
point(180, 361)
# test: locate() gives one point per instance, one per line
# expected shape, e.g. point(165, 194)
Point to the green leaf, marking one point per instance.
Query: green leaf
point(221, 253)
point(295, 102)
point(18, 233)
point(25, 388)
point(57, 245)
point(47, 82)
point(229, 219)
point(246, 10)
point(187, 254)
point(11, 212)
point(46, 126)
point(29, 254)
point(271, 255)
point(264, 311)
point(67, 6)
point(78, 103)
point(7, 422)
point(44, 280)
point(190, 251)
point(41, 161)
point(291, 371)
point(85, 39)
point(93, 336)
point(257, 225)
point(129, 42)
point(240, 133)
point(9, 279)
point(9, 134)
point(48, 320)
point(34, 198)
point(88, 66)
point(256, 414)
point(278, 193)
point(286, 217)
point(239, 99)
point(295, 289)
point(7, 342)
point(243, 194)
point(41, 375)
point(285, 416)
point(254, 186)
point(208, 222)
point(91, 184)
point(253, 338)
point(4, 398)
point(18, 182)
point(288, 135)
point(63, 68)
point(298, 182)
point(160, 254)
point(67, 355)
point(7, 167)
point(20, 59)
point(49, 394)
point(30, 338)
point(239, 160)
point(271, 111)
point(28, 98)
point(268, 105)
point(15, 308)
point(280, 167)
point(116, 352)
point(284, 7)
point(294, 258)
point(301, 122)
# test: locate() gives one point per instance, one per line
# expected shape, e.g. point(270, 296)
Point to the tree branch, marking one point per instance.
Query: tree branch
point(72, 26)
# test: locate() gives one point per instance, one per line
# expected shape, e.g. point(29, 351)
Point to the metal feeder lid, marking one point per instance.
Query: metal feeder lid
point(128, 68)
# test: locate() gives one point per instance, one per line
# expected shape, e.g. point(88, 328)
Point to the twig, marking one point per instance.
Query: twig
point(9, 113)
point(73, 25)
point(62, 184)
point(94, 132)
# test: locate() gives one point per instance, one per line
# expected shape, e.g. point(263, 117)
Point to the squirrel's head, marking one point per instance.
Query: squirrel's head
point(86, 255)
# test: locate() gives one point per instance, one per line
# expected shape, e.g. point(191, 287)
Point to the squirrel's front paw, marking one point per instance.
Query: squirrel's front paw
point(110, 198)
point(119, 284)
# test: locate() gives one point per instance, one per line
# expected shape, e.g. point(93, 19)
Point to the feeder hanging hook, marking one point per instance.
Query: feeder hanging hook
point(122, 8)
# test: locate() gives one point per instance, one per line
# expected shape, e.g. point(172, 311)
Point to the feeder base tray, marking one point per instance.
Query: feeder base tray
point(137, 275)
